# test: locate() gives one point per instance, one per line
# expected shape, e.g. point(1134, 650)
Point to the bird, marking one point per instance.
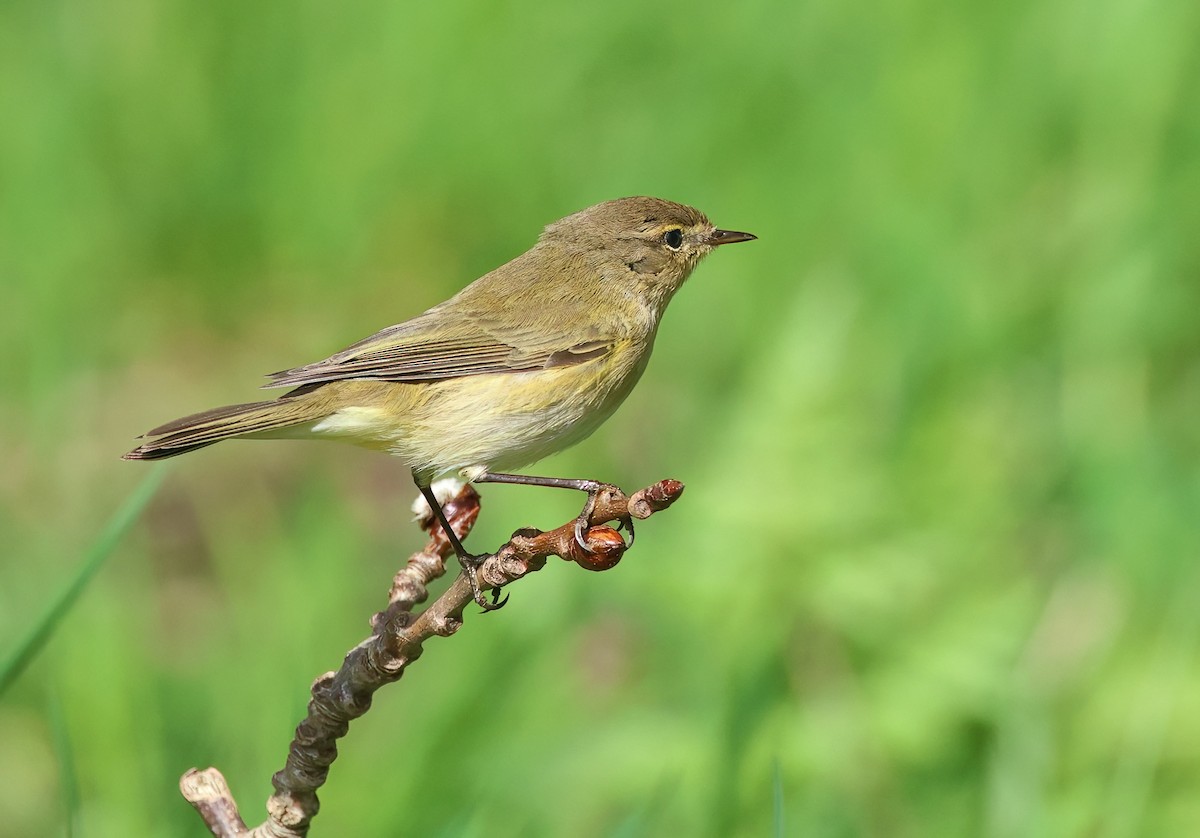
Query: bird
point(525, 361)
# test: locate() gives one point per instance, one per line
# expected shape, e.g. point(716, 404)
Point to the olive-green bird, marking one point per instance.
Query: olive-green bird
point(525, 361)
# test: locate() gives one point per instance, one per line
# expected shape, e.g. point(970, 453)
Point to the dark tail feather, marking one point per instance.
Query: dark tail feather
point(158, 451)
point(203, 429)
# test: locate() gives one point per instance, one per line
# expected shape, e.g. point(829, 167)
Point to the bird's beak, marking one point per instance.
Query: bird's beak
point(718, 237)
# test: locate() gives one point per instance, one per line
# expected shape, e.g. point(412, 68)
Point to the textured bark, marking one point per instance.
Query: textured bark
point(397, 639)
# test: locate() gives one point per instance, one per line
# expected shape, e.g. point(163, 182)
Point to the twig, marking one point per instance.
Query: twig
point(398, 639)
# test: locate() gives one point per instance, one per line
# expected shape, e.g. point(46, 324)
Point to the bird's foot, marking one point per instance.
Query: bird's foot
point(470, 567)
point(594, 491)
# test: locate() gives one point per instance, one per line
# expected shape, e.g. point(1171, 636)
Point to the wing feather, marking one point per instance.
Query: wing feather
point(428, 349)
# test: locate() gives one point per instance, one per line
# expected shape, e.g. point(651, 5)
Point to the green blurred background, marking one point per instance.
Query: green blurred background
point(936, 571)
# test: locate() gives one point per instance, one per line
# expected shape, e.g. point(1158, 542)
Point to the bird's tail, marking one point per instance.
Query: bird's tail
point(201, 429)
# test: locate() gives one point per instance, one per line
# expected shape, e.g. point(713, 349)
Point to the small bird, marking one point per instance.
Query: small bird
point(525, 361)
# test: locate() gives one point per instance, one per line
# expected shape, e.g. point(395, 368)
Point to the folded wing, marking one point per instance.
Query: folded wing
point(433, 347)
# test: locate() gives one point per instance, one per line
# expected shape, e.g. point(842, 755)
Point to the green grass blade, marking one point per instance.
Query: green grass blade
point(68, 779)
point(1131, 790)
point(27, 649)
point(777, 795)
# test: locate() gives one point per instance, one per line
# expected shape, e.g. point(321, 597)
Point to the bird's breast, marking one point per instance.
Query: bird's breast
point(505, 421)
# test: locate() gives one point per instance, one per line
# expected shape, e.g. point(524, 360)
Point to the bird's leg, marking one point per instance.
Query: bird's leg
point(470, 563)
point(592, 487)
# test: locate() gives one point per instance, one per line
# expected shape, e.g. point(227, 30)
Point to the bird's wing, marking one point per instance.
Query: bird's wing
point(439, 345)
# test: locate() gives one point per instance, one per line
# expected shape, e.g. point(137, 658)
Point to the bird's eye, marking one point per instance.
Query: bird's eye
point(673, 238)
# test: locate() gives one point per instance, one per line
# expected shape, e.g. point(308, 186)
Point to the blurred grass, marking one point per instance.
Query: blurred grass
point(28, 647)
point(64, 755)
point(935, 570)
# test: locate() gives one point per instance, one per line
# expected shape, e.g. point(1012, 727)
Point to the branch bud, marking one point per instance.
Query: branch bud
point(605, 547)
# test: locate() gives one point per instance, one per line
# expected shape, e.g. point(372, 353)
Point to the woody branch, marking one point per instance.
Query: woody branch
point(397, 639)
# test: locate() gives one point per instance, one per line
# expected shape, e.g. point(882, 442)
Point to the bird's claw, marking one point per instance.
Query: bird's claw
point(470, 566)
point(584, 521)
point(581, 524)
point(626, 524)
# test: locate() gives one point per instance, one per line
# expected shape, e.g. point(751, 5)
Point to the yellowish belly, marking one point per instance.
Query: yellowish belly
point(482, 422)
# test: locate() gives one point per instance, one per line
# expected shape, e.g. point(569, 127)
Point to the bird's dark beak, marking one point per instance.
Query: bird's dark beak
point(729, 237)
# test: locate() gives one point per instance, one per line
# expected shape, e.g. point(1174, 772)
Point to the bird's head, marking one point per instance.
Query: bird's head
point(656, 242)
